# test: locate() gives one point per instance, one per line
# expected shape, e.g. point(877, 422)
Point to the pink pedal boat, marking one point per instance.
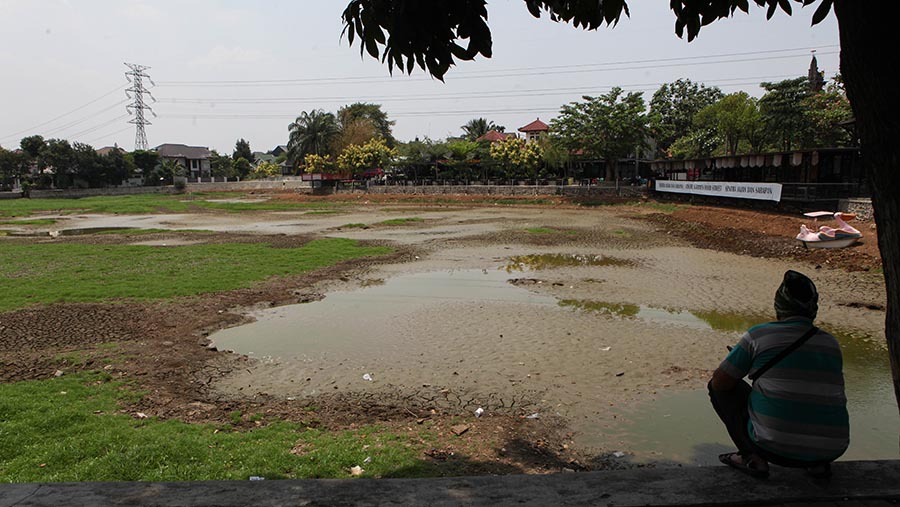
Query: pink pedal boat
point(829, 237)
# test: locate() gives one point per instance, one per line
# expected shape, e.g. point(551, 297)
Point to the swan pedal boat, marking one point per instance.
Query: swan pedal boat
point(829, 237)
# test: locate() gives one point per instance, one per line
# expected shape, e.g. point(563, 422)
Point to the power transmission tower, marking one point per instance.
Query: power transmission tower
point(136, 77)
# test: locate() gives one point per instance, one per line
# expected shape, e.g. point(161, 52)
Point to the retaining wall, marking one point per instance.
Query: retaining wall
point(234, 186)
point(73, 193)
point(517, 190)
point(861, 207)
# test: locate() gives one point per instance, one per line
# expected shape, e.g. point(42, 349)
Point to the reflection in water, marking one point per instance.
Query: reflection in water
point(548, 261)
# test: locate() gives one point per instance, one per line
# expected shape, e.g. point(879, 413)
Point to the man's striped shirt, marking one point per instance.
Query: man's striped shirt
point(798, 408)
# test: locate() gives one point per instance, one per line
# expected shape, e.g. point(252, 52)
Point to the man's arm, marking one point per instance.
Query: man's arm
point(722, 381)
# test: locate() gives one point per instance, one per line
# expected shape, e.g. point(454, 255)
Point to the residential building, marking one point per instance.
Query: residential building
point(494, 136)
point(535, 131)
point(194, 159)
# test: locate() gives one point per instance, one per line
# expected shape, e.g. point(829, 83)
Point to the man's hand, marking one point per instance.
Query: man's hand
point(722, 381)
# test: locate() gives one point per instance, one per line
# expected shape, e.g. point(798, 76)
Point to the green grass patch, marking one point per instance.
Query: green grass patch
point(57, 272)
point(66, 429)
point(37, 221)
point(323, 212)
point(354, 226)
point(401, 221)
point(132, 232)
point(145, 204)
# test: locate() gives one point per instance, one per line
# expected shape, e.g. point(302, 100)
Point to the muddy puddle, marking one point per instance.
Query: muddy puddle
point(625, 376)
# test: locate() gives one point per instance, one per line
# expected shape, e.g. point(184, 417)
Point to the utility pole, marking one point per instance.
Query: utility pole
point(136, 77)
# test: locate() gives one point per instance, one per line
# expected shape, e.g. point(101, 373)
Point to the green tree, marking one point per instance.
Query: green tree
point(477, 127)
point(59, 155)
point(319, 163)
point(242, 150)
point(146, 162)
point(734, 118)
point(784, 110)
point(826, 111)
point(221, 166)
point(33, 146)
point(264, 170)
point(611, 126)
point(673, 107)
point(518, 158)
point(368, 113)
point(358, 132)
point(241, 167)
point(312, 132)
point(383, 33)
point(11, 166)
point(374, 154)
point(117, 167)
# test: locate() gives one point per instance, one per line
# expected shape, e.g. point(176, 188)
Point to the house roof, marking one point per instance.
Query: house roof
point(535, 126)
point(494, 136)
point(106, 150)
point(182, 151)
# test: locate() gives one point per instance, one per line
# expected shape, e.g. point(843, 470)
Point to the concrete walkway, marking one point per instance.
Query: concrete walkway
point(861, 483)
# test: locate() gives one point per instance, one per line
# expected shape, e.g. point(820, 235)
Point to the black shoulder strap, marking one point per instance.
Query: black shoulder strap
point(781, 355)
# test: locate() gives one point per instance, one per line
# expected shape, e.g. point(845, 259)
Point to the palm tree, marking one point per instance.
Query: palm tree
point(312, 132)
point(478, 127)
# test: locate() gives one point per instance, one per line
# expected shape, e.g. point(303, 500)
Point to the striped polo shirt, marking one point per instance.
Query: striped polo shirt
point(798, 408)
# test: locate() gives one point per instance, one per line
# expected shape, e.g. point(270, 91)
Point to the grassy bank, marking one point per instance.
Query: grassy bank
point(69, 429)
point(147, 203)
point(56, 272)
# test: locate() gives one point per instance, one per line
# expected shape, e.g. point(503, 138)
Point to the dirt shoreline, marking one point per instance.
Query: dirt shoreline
point(164, 347)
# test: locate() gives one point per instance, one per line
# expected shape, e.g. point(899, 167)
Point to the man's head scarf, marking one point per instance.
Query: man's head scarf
point(796, 296)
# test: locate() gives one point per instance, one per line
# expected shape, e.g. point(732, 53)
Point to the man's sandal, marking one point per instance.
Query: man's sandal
point(743, 464)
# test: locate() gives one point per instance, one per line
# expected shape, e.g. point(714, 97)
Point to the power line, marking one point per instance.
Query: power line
point(100, 126)
point(79, 108)
point(453, 96)
point(94, 140)
point(525, 71)
point(55, 131)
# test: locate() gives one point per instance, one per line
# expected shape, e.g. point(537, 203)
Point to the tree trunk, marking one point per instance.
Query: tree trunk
point(866, 32)
point(610, 169)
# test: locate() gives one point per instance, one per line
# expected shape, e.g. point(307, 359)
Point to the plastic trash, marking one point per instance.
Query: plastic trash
point(257, 478)
point(368, 377)
point(533, 416)
point(479, 411)
point(367, 460)
point(619, 454)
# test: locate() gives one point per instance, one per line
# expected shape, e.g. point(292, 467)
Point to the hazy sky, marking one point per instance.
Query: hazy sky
point(229, 69)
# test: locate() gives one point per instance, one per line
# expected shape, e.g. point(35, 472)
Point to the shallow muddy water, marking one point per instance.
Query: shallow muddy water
point(683, 426)
point(610, 368)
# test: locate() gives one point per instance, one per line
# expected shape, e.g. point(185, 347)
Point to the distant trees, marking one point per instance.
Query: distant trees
point(788, 116)
point(519, 159)
point(373, 154)
point(320, 139)
point(242, 150)
point(311, 133)
point(611, 126)
point(352, 115)
point(673, 107)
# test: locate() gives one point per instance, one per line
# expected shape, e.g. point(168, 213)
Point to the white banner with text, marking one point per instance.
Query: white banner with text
point(739, 190)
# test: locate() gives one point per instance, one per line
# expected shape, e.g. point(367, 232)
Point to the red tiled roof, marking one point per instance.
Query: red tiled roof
point(535, 126)
point(494, 136)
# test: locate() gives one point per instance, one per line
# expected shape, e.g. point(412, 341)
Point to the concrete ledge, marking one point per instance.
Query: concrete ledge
point(854, 483)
